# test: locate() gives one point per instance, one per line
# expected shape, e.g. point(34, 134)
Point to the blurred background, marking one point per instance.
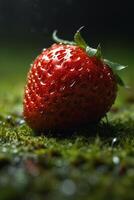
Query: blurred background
point(26, 27)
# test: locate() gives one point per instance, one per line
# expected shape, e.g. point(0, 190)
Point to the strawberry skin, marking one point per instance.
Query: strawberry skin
point(66, 88)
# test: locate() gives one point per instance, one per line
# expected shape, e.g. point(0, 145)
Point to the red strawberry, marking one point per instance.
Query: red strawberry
point(69, 85)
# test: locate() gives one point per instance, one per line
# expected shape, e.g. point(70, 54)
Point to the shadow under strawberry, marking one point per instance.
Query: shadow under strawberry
point(108, 131)
point(103, 129)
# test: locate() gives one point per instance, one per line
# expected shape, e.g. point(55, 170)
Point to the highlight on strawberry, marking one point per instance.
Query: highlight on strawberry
point(70, 85)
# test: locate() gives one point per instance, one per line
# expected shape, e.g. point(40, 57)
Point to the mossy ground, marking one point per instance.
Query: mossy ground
point(94, 163)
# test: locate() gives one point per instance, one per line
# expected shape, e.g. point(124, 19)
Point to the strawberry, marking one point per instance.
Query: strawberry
point(69, 85)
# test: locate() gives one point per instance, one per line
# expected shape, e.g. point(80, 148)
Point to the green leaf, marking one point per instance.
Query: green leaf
point(58, 40)
point(98, 53)
point(90, 51)
point(119, 80)
point(78, 39)
point(81, 43)
point(114, 66)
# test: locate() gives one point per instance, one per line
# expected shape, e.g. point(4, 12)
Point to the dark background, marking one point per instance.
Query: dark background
point(26, 28)
point(102, 19)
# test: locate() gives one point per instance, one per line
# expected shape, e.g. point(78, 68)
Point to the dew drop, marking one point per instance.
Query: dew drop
point(114, 141)
point(116, 160)
point(21, 122)
point(4, 149)
point(68, 187)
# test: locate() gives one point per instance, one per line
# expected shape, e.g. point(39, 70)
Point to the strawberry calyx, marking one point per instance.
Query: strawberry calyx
point(79, 41)
point(58, 40)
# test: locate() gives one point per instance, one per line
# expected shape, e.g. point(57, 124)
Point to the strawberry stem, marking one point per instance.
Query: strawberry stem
point(58, 40)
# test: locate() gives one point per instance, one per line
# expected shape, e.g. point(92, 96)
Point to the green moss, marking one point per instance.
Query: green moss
point(94, 163)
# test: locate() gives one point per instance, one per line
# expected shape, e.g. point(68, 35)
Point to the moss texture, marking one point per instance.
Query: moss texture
point(96, 162)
